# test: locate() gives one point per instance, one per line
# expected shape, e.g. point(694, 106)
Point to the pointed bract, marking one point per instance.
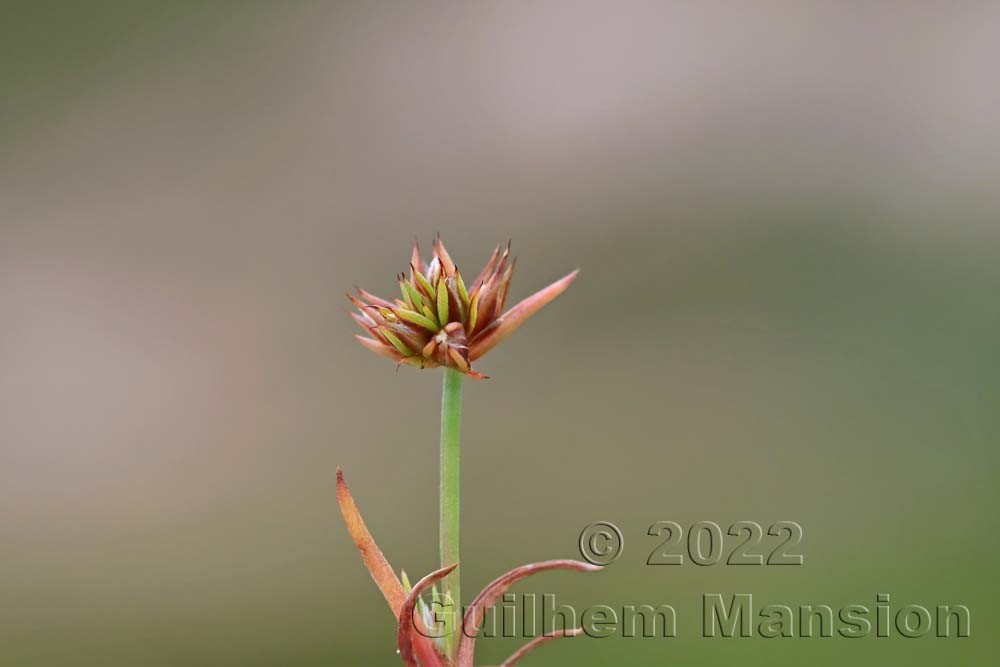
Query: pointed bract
point(506, 324)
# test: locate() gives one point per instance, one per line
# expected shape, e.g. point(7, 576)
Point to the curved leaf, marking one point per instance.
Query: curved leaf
point(490, 595)
point(535, 643)
point(407, 626)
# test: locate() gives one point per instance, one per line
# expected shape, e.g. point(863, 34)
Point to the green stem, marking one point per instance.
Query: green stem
point(451, 422)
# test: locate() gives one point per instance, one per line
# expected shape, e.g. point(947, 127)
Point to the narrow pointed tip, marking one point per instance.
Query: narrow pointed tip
point(447, 265)
point(343, 491)
point(416, 263)
point(568, 279)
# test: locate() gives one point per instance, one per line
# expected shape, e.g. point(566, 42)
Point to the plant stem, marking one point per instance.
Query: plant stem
point(451, 422)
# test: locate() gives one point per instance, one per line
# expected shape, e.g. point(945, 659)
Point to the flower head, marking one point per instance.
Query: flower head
point(440, 319)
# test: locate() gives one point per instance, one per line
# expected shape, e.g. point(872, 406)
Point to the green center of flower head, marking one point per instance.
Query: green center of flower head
point(440, 321)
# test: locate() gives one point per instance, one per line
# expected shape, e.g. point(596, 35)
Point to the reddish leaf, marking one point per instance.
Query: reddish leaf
point(383, 574)
point(490, 595)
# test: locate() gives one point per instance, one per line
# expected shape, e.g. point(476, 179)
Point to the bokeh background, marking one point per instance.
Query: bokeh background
point(786, 216)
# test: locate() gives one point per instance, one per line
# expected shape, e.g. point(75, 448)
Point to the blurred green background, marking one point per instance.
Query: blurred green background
point(786, 219)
